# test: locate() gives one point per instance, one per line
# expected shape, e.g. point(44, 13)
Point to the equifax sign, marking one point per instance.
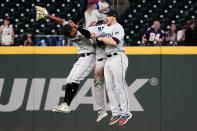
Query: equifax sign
point(55, 92)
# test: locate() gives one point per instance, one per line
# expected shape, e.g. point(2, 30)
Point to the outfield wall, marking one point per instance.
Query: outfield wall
point(161, 85)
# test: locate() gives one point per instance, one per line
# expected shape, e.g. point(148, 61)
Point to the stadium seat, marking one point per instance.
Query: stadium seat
point(22, 15)
point(140, 15)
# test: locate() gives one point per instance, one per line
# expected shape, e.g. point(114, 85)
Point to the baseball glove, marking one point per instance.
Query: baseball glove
point(41, 13)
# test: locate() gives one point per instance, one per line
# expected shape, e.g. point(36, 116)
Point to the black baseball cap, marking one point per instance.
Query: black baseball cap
point(111, 13)
point(100, 22)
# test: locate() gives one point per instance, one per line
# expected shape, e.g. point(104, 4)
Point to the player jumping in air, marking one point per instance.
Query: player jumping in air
point(99, 80)
point(84, 65)
point(115, 69)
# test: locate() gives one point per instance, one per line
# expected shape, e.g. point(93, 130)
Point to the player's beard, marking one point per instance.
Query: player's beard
point(108, 23)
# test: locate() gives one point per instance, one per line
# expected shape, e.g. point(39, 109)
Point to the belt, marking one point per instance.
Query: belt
point(101, 59)
point(85, 54)
point(114, 53)
point(110, 55)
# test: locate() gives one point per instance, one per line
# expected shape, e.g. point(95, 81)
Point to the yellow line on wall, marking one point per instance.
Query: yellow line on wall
point(38, 50)
point(142, 50)
point(179, 50)
point(73, 50)
point(55, 50)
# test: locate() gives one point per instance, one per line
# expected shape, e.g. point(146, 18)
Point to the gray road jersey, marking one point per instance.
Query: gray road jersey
point(116, 31)
point(100, 52)
point(83, 44)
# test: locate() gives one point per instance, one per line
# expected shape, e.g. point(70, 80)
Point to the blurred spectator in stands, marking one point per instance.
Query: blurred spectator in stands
point(154, 35)
point(191, 33)
point(171, 38)
point(59, 41)
point(42, 42)
point(102, 4)
point(181, 36)
point(92, 14)
point(6, 33)
point(29, 41)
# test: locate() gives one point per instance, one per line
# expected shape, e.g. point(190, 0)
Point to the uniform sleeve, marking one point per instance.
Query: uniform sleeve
point(91, 29)
point(118, 35)
point(84, 32)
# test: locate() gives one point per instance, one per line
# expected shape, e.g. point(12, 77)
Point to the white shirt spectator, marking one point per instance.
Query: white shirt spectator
point(6, 33)
point(90, 17)
point(181, 35)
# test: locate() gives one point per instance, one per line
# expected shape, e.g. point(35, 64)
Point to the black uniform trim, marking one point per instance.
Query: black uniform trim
point(100, 43)
point(116, 40)
point(84, 32)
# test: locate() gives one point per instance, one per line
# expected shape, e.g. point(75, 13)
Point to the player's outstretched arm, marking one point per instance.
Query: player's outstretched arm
point(109, 41)
point(42, 13)
point(56, 19)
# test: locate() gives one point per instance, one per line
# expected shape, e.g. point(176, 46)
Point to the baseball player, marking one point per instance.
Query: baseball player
point(115, 69)
point(6, 33)
point(99, 69)
point(95, 29)
point(101, 57)
point(82, 68)
point(85, 64)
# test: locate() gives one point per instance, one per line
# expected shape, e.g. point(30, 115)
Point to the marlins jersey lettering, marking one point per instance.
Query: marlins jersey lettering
point(115, 31)
point(7, 35)
point(100, 53)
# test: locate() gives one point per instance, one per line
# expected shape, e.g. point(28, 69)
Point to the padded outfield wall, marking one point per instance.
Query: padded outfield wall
point(162, 87)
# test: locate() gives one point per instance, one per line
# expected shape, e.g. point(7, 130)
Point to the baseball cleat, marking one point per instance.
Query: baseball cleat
point(123, 119)
point(101, 116)
point(114, 119)
point(63, 108)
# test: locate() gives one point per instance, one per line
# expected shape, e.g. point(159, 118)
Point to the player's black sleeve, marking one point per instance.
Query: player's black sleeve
point(116, 40)
point(84, 32)
point(100, 43)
